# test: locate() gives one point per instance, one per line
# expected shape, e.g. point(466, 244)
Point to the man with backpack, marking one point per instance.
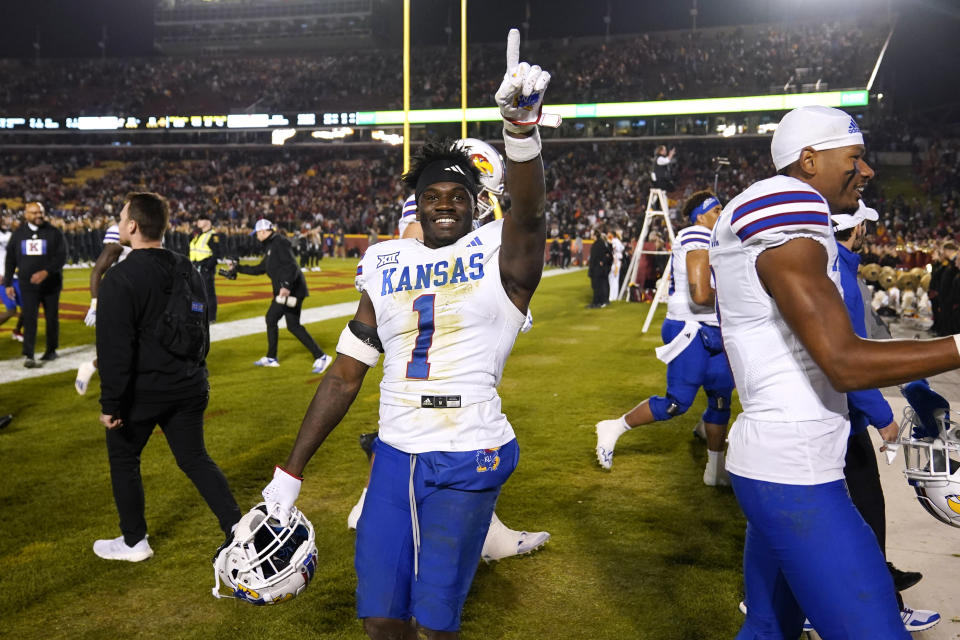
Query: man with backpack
point(152, 341)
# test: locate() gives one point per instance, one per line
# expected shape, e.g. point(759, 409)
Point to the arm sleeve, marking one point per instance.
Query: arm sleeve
point(364, 270)
point(871, 403)
point(778, 217)
point(255, 269)
point(116, 342)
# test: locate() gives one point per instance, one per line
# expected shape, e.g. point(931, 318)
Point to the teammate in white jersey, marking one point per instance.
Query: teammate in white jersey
point(445, 313)
point(112, 253)
point(693, 348)
point(794, 354)
point(9, 304)
point(501, 541)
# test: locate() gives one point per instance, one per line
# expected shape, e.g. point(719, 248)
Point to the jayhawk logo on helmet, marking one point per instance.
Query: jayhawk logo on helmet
point(481, 163)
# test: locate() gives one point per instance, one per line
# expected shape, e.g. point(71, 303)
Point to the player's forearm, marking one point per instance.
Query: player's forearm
point(870, 364)
point(328, 407)
point(527, 189)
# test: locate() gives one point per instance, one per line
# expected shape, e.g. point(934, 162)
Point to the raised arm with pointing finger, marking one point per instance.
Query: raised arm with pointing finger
point(445, 312)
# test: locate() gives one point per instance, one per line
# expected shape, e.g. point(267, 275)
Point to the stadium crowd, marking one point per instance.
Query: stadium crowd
point(649, 66)
point(355, 190)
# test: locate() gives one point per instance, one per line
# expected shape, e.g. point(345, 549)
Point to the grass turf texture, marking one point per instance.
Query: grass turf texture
point(644, 551)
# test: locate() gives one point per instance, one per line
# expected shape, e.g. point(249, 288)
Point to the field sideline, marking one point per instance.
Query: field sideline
point(644, 551)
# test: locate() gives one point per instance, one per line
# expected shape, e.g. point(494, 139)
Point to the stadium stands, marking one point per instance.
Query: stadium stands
point(747, 60)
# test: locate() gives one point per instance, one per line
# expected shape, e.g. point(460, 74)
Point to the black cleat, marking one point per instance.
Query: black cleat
point(5, 420)
point(366, 443)
point(49, 356)
point(30, 363)
point(903, 580)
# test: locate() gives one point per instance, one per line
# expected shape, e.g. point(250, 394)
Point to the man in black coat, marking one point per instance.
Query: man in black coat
point(289, 290)
point(601, 259)
point(145, 382)
point(37, 251)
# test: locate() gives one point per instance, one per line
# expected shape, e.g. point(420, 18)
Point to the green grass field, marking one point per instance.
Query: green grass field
point(644, 551)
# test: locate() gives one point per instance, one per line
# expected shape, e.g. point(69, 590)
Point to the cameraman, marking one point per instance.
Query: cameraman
point(289, 290)
point(663, 168)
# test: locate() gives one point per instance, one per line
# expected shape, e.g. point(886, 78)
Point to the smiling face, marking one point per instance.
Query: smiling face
point(33, 213)
point(840, 175)
point(446, 212)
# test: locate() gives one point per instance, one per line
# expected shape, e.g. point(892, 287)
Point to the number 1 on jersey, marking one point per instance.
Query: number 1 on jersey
point(418, 367)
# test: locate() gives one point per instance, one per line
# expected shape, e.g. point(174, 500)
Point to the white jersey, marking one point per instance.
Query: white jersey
point(680, 306)
point(447, 327)
point(112, 236)
point(407, 215)
point(4, 241)
point(791, 412)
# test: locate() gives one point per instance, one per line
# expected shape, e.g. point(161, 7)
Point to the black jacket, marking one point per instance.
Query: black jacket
point(601, 259)
point(133, 366)
point(280, 265)
point(30, 251)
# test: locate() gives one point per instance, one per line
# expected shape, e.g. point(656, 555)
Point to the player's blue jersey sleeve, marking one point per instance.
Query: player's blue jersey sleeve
point(774, 218)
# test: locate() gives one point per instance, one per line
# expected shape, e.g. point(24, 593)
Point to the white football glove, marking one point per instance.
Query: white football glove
point(520, 96)
point(280, 495)
point(91, 318)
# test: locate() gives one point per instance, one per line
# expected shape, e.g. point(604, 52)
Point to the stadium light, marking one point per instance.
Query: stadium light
point(279, 136)
point(775, 102)
point(388, 138)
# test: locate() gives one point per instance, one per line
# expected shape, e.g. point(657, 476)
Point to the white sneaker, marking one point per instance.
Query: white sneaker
point(607, 433)
point(715, 475)
point(322, 363)
point(84, 373)
point(117, 549)
point(354, 516)
point(918, 619)
point(502, 542)
point(266, 362)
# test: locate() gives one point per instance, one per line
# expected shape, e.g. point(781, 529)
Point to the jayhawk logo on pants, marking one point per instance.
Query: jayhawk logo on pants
point(488, 459)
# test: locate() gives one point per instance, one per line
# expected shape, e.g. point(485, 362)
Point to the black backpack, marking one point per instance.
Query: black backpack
point(182, 328)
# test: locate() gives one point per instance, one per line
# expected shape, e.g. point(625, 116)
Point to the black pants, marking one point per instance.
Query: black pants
point(211, 288)
point(182, 424)
point(863, 484)
point(31, 298)
point(292, 316)
point(601, 289)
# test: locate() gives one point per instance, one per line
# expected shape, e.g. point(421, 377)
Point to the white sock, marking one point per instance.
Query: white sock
point(715, 459)
point(623, 421)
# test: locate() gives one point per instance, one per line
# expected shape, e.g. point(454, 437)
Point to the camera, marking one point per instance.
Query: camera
point(229, 273)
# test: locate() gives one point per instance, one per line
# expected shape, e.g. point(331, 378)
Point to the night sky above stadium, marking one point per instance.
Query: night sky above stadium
point(925, 49)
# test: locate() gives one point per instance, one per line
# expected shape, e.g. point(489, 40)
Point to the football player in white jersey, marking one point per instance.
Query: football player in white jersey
point(10, 304)
point(445, 312)
point(501, 541)
point(112, 253)
point(693, 348)
point(794, 354)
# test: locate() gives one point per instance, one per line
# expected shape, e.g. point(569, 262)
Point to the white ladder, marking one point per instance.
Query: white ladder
point(657, 205)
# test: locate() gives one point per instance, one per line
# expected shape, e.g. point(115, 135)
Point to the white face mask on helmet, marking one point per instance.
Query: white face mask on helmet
point(931, 444)
point(490, 163)
point(266, 563)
